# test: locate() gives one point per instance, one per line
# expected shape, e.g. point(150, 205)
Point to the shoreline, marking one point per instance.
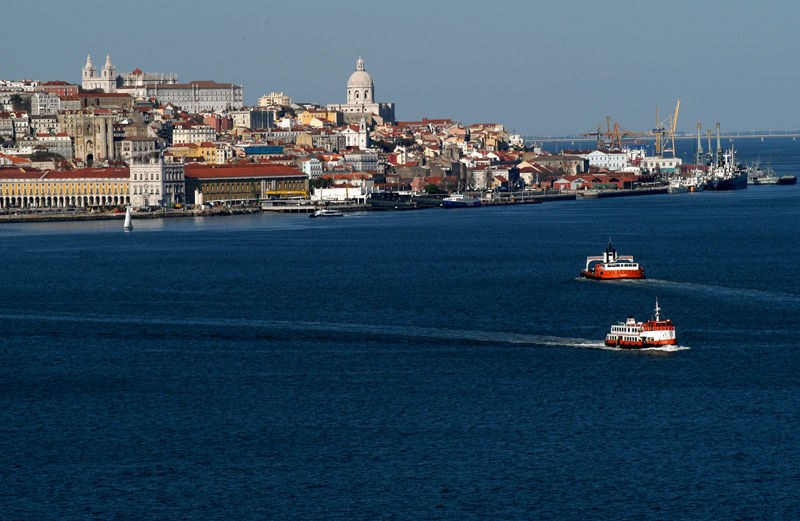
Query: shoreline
point(505, 198)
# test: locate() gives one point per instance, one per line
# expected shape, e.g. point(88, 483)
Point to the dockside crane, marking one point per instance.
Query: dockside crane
point(612, 136)
point(665, 136)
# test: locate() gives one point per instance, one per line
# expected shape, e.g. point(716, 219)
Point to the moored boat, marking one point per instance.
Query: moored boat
point(610, 265)
point(732, 181)
point(787, 180)
point(637, 335)
point(726, 174)
point(461, 201)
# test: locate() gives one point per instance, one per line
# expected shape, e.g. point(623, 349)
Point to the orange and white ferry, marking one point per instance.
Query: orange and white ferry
point(636, 335)
point(612, 266)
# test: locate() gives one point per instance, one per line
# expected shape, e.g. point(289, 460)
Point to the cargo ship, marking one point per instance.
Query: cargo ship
point(735, 180)
point(637, 335)
point(612, 266)
point(727, 175)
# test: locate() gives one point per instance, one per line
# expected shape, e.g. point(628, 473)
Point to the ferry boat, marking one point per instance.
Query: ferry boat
point(637, 335)
point(461, 201)
point(326, 212)
point(612, 266)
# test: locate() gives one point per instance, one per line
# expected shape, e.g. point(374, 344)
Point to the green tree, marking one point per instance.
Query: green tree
point(44, 155)
point(320, 182)
point(17, 103)
point(431, 189)
point(383, 145)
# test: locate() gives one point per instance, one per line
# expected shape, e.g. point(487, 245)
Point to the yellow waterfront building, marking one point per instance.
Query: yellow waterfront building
point(87, 187)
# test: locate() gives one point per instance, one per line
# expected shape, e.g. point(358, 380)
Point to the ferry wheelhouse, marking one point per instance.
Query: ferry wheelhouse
point(637, 335)
point(610, 265)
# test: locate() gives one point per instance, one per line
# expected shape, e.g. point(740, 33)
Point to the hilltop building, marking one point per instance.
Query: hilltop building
point(197, 96)
point(109, 81)
point(274, 98)
point(361, 100)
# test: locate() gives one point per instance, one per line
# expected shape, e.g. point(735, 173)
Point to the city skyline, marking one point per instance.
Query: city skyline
point(538, 69)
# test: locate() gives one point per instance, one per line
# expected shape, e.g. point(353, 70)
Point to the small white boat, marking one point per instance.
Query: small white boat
point(461, 201)
point(128, 225)
point(326, 212)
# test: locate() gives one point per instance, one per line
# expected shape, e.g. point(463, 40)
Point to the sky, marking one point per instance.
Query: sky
point(540, 68)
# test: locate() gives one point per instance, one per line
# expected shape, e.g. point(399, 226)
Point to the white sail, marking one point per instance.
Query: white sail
point(128, 226)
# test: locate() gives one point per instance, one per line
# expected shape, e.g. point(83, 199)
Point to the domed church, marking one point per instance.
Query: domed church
point(361, 100)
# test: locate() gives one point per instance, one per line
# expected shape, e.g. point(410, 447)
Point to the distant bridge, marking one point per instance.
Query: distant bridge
point(793, 134)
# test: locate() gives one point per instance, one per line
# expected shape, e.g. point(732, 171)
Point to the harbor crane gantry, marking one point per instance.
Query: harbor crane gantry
point(611, 137)
point(665, 136)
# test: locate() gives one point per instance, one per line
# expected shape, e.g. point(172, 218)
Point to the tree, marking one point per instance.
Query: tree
point(17, 103)
point(383, 145)
point(431, 189)
point(320, 182)
point(44, 155)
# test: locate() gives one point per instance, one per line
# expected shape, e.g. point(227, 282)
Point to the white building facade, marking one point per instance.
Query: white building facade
point(198, 96)
point(193, 134)
point(155, 183)
point(614, 161)
point(45, 104)
point(312, 167)
point(106, 81)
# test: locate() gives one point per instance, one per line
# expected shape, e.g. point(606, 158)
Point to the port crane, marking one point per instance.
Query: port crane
point(611, 137)
point(665, 135)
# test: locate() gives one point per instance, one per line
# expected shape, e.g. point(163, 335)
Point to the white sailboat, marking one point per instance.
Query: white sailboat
point(128, 226)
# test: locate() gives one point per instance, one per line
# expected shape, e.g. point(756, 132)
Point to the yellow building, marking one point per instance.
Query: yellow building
point(185, 150)
point(87, 187)
point(208, 151)
point(330, 116)
point(245, 182)
point(274, 98)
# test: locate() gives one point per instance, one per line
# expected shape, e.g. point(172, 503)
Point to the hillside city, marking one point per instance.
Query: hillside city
point(146, 140)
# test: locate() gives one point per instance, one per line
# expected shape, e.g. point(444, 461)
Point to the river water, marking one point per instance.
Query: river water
point(438, 364)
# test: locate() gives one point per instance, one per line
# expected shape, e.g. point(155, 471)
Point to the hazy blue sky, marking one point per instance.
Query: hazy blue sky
point(545, 68)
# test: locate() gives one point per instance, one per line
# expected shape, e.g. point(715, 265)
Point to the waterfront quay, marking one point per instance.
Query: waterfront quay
point(305, 206)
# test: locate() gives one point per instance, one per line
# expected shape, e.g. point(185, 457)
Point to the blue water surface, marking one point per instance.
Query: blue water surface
point(404, 365)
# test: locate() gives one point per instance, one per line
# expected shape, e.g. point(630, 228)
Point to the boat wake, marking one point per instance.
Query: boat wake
point(281, 329)
point(709, 289)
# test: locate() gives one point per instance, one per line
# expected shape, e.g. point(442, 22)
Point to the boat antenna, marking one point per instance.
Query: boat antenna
point(658, 309)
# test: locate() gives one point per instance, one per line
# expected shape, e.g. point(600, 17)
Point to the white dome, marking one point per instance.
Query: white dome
point(360, 79)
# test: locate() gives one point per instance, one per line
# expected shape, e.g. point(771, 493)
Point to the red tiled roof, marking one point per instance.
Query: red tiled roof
point(19, 173)
point(90, 173)
point(245, 170)
point(102, 95)
point(200, 84)
point(84, 173)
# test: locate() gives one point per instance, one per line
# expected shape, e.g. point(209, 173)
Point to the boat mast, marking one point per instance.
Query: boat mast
point(658, 311)
point(699, 152)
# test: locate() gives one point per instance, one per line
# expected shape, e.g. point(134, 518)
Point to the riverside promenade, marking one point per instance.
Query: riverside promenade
point(23, 215)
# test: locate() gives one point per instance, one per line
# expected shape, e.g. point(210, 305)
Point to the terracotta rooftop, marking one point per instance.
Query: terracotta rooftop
point(244, 170)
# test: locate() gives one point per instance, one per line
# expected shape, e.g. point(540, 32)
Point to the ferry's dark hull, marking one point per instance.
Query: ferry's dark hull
point(736, 183)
